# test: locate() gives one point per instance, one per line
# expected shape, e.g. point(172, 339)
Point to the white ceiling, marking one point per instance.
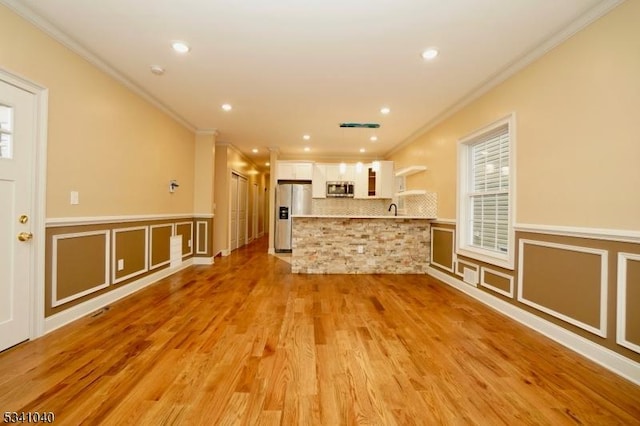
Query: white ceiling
point(292, 67)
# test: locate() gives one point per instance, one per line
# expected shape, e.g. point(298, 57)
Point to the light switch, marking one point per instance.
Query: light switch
point(120, 264)
point(75, 197)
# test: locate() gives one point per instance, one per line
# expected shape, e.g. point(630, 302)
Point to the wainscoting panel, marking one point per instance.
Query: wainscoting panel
point(186, 230)
point(496, 281)
point(202, 237)
point(159, 236)
point(80, 265)
point(81, 252)
point(567, 282)
point(628, 331)
point(130, 252)
point(442, 248)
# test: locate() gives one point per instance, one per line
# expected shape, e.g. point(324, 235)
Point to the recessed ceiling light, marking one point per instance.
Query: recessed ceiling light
point(157, 70)
point(180, 46)
point(362, 150)
point(306, 137)
point(307, 149)
point(227, 107)
point(373, 138)
point(267, 164)
point(429, 54)
point(385, 110)
point(254, 150)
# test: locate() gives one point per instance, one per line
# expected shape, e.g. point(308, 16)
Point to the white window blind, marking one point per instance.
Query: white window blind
point(489, 191)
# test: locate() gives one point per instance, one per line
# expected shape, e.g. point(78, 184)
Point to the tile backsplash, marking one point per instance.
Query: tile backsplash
point(415, 205)
point(350, 206)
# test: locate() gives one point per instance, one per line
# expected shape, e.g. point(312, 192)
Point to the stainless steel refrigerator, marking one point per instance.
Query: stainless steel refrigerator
point(291, 199)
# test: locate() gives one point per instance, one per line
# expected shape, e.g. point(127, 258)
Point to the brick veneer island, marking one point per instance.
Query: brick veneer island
point(360, 244)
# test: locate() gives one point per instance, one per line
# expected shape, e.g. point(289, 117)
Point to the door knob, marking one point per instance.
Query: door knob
point(25, 236)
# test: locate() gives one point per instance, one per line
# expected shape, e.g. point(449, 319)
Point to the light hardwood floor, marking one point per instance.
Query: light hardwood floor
point(246, 342)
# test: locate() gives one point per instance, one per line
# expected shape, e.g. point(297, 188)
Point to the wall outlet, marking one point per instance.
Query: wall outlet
point(189, 244)
point(120, 264)
point(360, 249)
point(74, 197)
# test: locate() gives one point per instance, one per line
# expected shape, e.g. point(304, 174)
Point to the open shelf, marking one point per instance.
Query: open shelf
point(411, 192)
point(408, 171)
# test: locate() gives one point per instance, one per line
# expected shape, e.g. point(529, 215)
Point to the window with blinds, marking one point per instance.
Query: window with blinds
point(485, 197)
point(489, 195)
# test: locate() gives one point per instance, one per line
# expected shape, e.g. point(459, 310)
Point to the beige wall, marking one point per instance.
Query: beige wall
point(113, 147)
point(577, 131)
point(204, 166)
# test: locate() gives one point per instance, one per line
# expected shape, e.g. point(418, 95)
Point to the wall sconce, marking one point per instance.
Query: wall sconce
point(173, 184)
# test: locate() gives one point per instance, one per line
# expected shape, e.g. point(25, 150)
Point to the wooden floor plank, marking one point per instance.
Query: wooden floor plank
point(246, 342)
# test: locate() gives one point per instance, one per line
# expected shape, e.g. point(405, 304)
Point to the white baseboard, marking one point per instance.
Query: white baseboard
point(78, 311)
point(225, 252)
point(271, 250)
point(203, 260)
point(607, 358)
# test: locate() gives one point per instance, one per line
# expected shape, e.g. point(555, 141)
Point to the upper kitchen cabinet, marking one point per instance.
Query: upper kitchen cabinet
point(375, 182)
point(341, 172)
point(294, 170)
point(319, 181)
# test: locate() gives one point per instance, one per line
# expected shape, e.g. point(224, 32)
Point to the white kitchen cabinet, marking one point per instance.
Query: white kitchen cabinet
point(319, 181)
point(335, 174)
point(372, 184)
point(286, 170)
point(385, 180)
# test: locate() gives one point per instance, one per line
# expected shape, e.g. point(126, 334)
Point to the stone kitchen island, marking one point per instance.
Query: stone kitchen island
point(340, 244)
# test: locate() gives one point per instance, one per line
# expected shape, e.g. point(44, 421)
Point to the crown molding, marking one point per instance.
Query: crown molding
point(207, 132)
point(543, 48)
point(61, 37)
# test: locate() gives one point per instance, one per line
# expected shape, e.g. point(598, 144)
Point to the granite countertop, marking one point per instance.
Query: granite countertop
point(344, 216)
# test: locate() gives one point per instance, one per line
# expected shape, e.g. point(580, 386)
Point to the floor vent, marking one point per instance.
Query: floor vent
point(470, 276)
point(175, 251)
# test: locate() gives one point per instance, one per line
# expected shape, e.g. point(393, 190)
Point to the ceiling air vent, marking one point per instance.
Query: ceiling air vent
point(361, 125)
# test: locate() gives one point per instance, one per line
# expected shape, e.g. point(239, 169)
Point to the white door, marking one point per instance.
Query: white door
point(242, 211)
point(233, 219)
point(17, 112)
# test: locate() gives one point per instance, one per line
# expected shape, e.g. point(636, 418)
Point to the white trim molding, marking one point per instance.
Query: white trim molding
point(484, 284)
point(607, 358)
point(101, 220)
point(601, 330)
point(621, 334)
point(465, 192)
point(54, 267)
point(203, 260)
point(621, 235)
point(114, 261)
point(453, 249)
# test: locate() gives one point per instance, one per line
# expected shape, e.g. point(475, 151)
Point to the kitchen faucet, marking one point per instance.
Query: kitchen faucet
point(396, 209)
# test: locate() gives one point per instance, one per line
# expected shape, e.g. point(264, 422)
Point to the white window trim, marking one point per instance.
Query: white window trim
point(463, 247)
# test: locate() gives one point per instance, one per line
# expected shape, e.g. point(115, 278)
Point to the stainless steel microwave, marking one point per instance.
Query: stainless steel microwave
point(340, 189)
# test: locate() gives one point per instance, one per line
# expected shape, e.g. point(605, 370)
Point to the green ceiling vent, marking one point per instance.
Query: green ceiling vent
point(361, 125)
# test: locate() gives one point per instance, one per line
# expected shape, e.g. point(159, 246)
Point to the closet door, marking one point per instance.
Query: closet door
point(242, 210)
point(233, 214)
